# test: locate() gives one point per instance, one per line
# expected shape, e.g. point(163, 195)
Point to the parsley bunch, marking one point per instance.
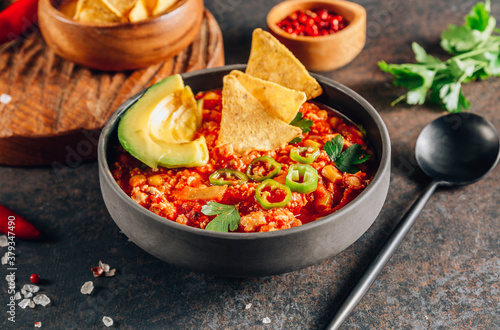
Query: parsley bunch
point(476, 56)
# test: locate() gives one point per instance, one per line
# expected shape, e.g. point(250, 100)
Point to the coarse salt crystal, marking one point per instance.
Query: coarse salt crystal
point(87, 287)
point(42, 299)
point(17, 296)
point(5, 258)
point(28, 294)
point(5, 98)
point(108, 321)
point(4, 241)
point(110, 273)
point(266, 320)
point(24, 303)
point(248, 306)
point(31, 304)
point(30, 288)
point(38, 324)
point(104, 267)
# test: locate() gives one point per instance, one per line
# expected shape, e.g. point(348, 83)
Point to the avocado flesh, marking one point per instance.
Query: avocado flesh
point(159, 128)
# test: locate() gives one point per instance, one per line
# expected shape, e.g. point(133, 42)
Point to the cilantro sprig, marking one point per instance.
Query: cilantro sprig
point(346, 160)
point(475, 51)
point(227, 217)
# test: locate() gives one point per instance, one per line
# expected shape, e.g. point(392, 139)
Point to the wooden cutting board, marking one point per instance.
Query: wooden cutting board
point(58, 107)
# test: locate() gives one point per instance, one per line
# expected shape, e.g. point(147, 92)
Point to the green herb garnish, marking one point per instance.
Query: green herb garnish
point(304, 124)
point(476, 56)
point(344, 161)
point(227, 217)
point(296, 140)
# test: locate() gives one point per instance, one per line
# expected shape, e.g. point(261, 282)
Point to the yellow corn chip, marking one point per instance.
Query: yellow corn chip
point(95, 11)
point(271, 60)
point(139, 12)
point(283, 102)
point(162, 6)
point(247, 125)
point(120, 7)
point(150, 6)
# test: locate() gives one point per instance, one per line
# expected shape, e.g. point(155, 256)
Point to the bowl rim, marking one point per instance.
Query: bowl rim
point(378, 178)
point(69, 20)
point(355, 23)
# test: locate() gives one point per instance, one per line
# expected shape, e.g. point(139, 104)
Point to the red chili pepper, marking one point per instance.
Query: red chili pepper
point(17, 18)
point(11, 223)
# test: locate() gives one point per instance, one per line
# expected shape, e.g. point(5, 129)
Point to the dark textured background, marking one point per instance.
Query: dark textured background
point(445, 275)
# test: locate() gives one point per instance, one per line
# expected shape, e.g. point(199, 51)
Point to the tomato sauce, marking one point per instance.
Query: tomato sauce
point(179, 194)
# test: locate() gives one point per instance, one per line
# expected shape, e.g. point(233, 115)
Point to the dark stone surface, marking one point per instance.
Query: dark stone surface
point(444, 275)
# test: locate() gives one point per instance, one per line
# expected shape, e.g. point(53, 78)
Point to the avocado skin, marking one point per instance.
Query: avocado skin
point(145, 128)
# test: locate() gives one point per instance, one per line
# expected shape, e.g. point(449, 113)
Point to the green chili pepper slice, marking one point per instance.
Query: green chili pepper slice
point(227, 176)
point(269, 165)
point(302, 178)
point(267, 199)
point(310, 154)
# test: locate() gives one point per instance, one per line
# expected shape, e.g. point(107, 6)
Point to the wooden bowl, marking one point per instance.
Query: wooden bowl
point(322, 53)
point(120, 46)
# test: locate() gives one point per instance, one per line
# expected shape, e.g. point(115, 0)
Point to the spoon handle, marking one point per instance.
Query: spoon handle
point(382, 258)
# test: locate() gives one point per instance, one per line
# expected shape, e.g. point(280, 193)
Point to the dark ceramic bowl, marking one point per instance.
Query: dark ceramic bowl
point(251, 254)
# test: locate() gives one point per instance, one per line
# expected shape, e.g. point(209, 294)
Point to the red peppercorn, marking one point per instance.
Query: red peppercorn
point(98, 271)
point(34, 278)
point(312, 23)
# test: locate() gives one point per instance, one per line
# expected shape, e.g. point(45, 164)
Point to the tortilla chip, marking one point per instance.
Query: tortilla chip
point(120, 7)
point(95, 11)
point(162, 6)
point(283, 102)
point(271, 60)
point(139, 12)
point(247, 125)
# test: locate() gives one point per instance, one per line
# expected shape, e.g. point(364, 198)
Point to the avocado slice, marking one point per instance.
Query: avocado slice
point(158, 129)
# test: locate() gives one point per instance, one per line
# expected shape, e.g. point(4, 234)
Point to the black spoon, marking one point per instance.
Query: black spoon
point(457, 149)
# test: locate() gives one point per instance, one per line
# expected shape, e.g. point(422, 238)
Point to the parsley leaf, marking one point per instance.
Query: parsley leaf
point(345, 160)
point(334, 147)
point(476, 51)
point(295, 140)
point(227, 217)
point(351, 156)
point(304, 124)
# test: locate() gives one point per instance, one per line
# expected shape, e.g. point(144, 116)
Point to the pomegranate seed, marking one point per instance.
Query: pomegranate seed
point(34, 278)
